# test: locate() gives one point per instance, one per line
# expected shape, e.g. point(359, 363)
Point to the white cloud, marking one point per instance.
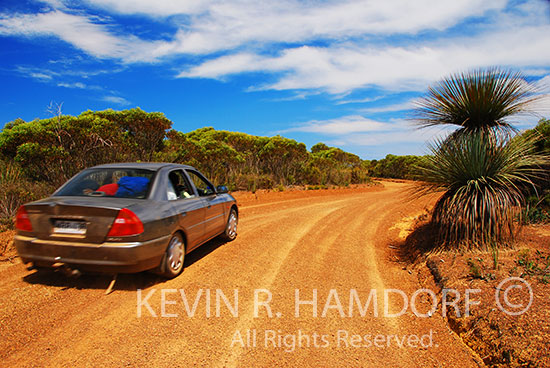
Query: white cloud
point(296, 95)
point(157, 8)
point(222, 25)
point(390, 108)
point(226, 65)
point(403, 135)
point(359, 100)
point(56, 4)
point(116, 100)
point(62, 68)
point(343, 125)
point(522, 122)
point(281, 38)
point(61, 77)
point(543, 85)
point(72, 85)
point(43, 75)
point(344, 67)
point(209, 26)
point(541, 107)
point(357, 131)
point(80, 31)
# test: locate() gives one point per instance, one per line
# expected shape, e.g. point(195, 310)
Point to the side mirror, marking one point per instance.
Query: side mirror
point(220, 189)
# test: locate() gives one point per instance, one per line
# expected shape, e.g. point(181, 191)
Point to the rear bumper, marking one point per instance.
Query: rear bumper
point(108, 257)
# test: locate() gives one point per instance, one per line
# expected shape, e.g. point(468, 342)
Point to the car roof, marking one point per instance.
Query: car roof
point(142, 165)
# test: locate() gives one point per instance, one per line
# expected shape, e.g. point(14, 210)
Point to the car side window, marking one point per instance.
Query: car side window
point(204, 188)
point(178, 186)
point(171, 192)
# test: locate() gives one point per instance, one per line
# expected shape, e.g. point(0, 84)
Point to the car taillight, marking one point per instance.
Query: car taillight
point(126, 224)
point(22, 221)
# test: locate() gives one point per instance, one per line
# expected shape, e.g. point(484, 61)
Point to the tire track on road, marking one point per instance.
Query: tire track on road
point(319, 242)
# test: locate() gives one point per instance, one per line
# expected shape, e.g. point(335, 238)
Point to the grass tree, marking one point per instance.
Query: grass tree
point(481, 168)
point(484, 181)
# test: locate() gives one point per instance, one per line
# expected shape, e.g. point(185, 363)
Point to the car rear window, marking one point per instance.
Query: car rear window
point(115, 182)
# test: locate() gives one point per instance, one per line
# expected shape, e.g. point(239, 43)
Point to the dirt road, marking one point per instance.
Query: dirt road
point(336, 244)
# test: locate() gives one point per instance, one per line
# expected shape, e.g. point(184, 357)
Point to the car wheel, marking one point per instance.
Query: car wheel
point(172, 262)
point(230, 232)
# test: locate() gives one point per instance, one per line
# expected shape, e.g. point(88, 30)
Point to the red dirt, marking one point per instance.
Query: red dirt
point(305, 240)
point(501, 339)
point(7, 251)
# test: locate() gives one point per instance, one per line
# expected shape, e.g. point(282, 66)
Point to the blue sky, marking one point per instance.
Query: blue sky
point(345, 73)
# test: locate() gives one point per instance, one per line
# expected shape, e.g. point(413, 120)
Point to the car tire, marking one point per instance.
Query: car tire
point(230, 232)
point(174, 257)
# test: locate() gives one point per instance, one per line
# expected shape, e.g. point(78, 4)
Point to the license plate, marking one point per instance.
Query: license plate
point(69, 227)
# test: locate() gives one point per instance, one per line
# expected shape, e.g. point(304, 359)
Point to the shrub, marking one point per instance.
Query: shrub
point(16, 190)
point(483, 171)
point(483, 181)
point(537, 209)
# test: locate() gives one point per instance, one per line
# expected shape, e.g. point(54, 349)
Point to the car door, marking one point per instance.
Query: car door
point(214, 220)
point(189, 207)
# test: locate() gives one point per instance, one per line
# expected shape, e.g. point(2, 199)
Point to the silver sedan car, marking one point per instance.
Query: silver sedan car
point(125, 218)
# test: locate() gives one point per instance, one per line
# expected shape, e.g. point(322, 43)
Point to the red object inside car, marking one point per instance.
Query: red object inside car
point(108, 189)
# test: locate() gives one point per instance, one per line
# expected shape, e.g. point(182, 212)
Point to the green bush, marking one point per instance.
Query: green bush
point(247, 162)
point(537, 209)
point(538, 203)
point(481, 179)
point(52, 150)
point(395, 167)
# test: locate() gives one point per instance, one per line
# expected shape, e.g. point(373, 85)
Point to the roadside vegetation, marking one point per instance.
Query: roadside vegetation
point(487, 180)
point(38, 156)
point(247, 162)
point(395, 167)
point(485, 170)
point(537, 208)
